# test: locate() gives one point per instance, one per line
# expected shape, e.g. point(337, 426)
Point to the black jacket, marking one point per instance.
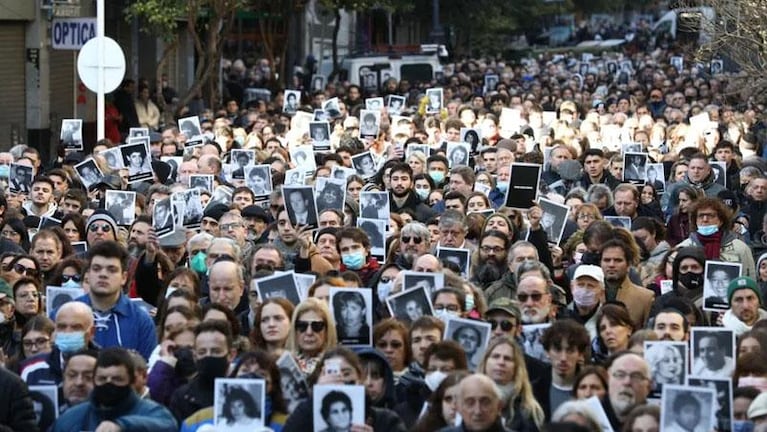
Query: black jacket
point(192, 397)
point(17, 412)
point(381, 419)
point(422, 212)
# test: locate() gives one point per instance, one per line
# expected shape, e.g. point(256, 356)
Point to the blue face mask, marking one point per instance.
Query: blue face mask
point(198, 263)
point(502, 186)
point(71, 284)
point(5, 171)
point(70, 342)
point(742, 426)
point(422, 193)
point(353, 261)
point(437, 176)
point(707, 230)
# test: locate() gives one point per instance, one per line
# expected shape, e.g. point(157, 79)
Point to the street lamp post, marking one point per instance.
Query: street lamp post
point(437, 35)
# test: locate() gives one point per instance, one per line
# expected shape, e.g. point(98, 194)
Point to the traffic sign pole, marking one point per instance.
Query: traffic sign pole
point(100, 104)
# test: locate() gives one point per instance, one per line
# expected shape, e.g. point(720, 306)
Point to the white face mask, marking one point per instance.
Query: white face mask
point(434, 379)
point(445, 315)
point(383, 290)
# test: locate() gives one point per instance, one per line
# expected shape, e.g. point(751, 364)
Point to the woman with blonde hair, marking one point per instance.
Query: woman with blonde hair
point(312, 332)
point(504, 363)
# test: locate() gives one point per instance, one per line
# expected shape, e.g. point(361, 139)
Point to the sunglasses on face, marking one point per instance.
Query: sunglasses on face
point(103, 228)
point(67, 278)
point(28, 271)
point(416, 240)
point(506, 325)
point(317, 326)
point(534, 297)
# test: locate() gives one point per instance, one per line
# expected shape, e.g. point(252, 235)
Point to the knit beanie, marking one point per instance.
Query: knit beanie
point(743, 282)
point(103, 216)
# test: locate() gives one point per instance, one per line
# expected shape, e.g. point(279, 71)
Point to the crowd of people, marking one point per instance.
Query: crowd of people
point(559, 329)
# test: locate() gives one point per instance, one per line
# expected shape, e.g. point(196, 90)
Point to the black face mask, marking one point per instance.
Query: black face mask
point(691, 281)
point(592, 258)
point(209, 368)
point(184, 362)
point(110, 394)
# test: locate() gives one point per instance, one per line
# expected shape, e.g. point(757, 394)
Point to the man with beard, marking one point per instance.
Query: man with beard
point(629, 383)
point(490, 258)
point(745, 306)
point(670, 324)
point(403, 196)
point(256, 221)
point(617, 257)
point(414, 241)
point(138, 236)
point(506, 285)
point(535, 300)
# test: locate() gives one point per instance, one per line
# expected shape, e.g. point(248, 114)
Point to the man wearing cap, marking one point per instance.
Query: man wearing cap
point(588, 290)
point(256, 220)
point(101, 226)
point(210, 219)
point(745, 305)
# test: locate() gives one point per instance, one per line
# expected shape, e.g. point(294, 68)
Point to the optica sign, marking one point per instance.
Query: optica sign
point(72, 33)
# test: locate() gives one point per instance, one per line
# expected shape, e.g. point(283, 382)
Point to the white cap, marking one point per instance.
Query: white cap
point(591, 271)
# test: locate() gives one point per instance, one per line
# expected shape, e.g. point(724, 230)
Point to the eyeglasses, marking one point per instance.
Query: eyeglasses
point(416, 240)
point(21, 269)
point(392, 344)
point(635, 377)
point(522, 298)
point(103, 228)
point(303, 326)
point(506, 325)
point(36, 343)
point(73, 278)
point(230, 226)
point(491, 249)
point(31, 294)
point(448, 308)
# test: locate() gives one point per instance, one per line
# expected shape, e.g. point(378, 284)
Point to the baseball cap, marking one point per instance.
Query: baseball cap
point(505, 304)
point(592, 271)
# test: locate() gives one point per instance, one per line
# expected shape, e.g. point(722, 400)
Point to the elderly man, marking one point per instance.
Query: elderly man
point(480, 406)
point(196, 248)
point(231, 225)
point(427, 263)
point(78, 377)
point(414, 240)
point(699, 175)
point(535, 300)
point(745, 302)
point(452, 230)
point(629, 383)
point(226, 283)
point(506, 286)
point(588, 290)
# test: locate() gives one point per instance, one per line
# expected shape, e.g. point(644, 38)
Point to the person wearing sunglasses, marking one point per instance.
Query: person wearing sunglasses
point(414, 241)
point(18, 267)
point(101, 226)
point(504, 317)
point(312, 333)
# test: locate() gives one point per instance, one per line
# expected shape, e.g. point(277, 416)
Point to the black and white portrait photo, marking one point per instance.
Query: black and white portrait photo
point(472, 335)
point(72, 134)
point(458, 154)
point(668, 363)
point(656, 177)
point(612, 67)
point(717, 67)
point(330, 193)
point(722, 388)
point(281, 285)
point(56, 296)
point(417, 148)
point(258, 178)
point(341, 173)
point(677, 62)
point(190, 127)
point(292, 101)
point(634, 166)
point(136, 159)
point(45, 402)
point(523, 185)
point(303, 158)
point(89, 172)
point(138, 132)
point(434, 104)
point(472, 137)
point(717, 276)
point(299, 203)
point(631, 148)
point(193, 210)
point(376, 231)
point(410, 305)
point(239, 404)
point(430, 281)
point(318, 82)
point(221, 195)
point(395, 104)
point(456, 257)
point(295, 177)
point(113, 158)
point(320, 134)
point(370, 121)
point(583, 68)
point(352, 309)
point(374, 205)
point(122, 206)
point(619, 221)
point(242, 159)
point(162, 218)
point(337, 407)
point(374, 104)
point(553, 219)
point(719, 169)
point(332, 108)
point(364, 165)
point(320, 115)
point(292, 381)
point(201, 181)
point(713, 354)
point(687, 408)
point(491, 82)
point(531, 341)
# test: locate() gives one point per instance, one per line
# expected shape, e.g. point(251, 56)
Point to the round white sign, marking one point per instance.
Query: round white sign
point(113, 62)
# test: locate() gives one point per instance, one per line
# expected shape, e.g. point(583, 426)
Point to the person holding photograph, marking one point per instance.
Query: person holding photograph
point(369, 126)
point(240, 410)
point(458, 157)
point(337, 412)
point(351, 318)
point(136, 162)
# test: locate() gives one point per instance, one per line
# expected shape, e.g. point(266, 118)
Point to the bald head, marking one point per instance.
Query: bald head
point(427, 263)
point(225, 282)
point(75, 317)
point(76, 309)
point(480, 402)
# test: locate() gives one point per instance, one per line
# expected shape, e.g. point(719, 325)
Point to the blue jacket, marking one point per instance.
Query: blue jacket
point(126, 325)
point(132, 414)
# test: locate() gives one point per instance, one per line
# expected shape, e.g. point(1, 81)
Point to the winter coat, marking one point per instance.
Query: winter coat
point(17, 411)
point(732, 250)
point(132, 414)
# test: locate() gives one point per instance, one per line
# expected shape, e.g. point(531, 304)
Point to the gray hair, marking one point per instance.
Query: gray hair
point(79, 308)
point(529, 266)
point(231, 243)
point(416, 229)
point(521, 244)
point(202, 237)
point(577, 407)
point(451, 218)
point(598, 192)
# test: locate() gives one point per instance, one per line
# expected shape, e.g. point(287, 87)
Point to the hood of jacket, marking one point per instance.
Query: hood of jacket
point(389, 399)
point(695, 252)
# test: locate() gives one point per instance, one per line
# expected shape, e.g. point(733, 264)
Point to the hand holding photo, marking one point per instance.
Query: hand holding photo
point(240, 404)
point(352, 309)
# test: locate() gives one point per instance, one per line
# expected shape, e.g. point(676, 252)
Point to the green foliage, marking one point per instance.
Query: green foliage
point(158, 17)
